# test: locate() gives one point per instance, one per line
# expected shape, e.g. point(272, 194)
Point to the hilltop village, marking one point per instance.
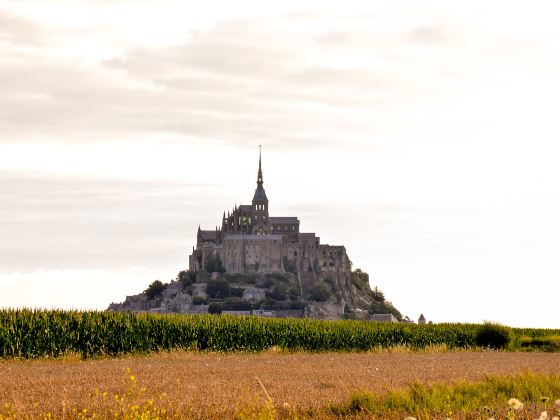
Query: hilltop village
point(255, 264)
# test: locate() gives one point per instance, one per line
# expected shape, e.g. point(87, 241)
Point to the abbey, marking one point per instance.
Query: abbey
point(249, 240)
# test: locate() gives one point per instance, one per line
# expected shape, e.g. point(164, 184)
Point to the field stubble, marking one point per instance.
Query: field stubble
point(212, 385)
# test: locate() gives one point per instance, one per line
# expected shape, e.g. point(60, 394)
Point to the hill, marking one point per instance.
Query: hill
point(307, 294)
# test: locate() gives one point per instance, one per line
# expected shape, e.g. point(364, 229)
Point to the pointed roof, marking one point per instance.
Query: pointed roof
point(260, 194)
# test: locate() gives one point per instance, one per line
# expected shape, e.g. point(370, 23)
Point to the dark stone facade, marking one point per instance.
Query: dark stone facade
point(249, 240)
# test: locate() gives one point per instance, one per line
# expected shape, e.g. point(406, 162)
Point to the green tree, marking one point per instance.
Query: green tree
point(320, 293)
point(215, 308)
point(186, 278)
point(378, 295)
point(198, 300)
point(155, 289)
point(278, 294)
point(214, 265)
point(218, 289)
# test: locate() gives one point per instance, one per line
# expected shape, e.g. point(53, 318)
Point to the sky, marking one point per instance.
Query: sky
point(423, 136)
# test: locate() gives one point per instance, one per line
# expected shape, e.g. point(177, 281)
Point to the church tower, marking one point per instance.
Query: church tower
point(261, 223)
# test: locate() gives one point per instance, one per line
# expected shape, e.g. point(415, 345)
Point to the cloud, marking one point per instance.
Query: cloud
point(68, 288)
point(53, 221)
point(239, 82)
point(20, 31)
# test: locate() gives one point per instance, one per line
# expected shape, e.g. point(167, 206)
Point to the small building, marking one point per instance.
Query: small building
point(384, 318)
point(254, 294)
point(422, 320)
point(172, 290)
point(236, 312)
point(264, 313)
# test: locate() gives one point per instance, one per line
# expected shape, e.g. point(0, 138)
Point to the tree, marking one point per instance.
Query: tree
point(218, 289)
point(198, 300)
point(320, 293)
point(214, 265)
point(186, 278)
point(378, 295)
point(278, 294)
point(155, 289)
point(215, 308)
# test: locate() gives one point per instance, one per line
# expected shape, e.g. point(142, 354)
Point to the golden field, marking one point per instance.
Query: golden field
point(216, 385)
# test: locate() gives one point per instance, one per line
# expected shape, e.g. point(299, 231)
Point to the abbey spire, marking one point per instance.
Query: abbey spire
point(260, 195)
point(260, 175)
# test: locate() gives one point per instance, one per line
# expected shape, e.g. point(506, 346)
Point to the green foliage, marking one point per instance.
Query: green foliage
point(155, 289)
point(186, 278)
point(235, 304)
point(298, 304)
point(548, 343)
point(218, 289)
point(378, 295)
point(320, 293)
point(215, 308)
point(278, 277)
point(214, 265)
point(361, 280)
point(202, 276)
point(494, 336)
point(278, 294)
point(236, 291)
point(383, 308)
point(198, 300)
point(54, 333)
point(479, 399)
point(265, 282)
point(294, 293)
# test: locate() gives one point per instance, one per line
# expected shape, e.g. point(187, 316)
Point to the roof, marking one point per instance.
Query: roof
point(284, 220)
point(208, 234)
point(259, 194)
point(245, 207)
point(384, 318)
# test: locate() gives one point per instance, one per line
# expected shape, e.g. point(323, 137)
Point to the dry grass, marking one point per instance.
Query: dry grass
point(211, 385)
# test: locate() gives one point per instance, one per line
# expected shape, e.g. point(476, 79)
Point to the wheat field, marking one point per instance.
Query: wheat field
point(216, 385)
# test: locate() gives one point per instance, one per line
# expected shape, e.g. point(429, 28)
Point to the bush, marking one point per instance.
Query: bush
point(214, 265)
point(234, 304)
point(215, 308)
point(361, 280)
point(198, 300)
point(494, 336)
point(278, 294)
point(218, 289)
point(236, 291)
point(549, 343)
point(265, 283)
point(297, 305)
point(320, 293)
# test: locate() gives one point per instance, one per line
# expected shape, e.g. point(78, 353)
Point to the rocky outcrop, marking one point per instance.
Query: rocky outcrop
point(310, 294)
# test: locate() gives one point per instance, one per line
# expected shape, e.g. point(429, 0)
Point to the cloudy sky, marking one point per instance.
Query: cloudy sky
point(423, 136)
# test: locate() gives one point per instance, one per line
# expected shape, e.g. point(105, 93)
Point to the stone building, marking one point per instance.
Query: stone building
point(249, 240)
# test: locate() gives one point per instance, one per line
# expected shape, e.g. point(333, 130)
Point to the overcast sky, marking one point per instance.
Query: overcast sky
point(423, 136)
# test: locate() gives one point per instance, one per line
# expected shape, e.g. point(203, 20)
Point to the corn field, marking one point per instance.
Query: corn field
point(54, 333)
